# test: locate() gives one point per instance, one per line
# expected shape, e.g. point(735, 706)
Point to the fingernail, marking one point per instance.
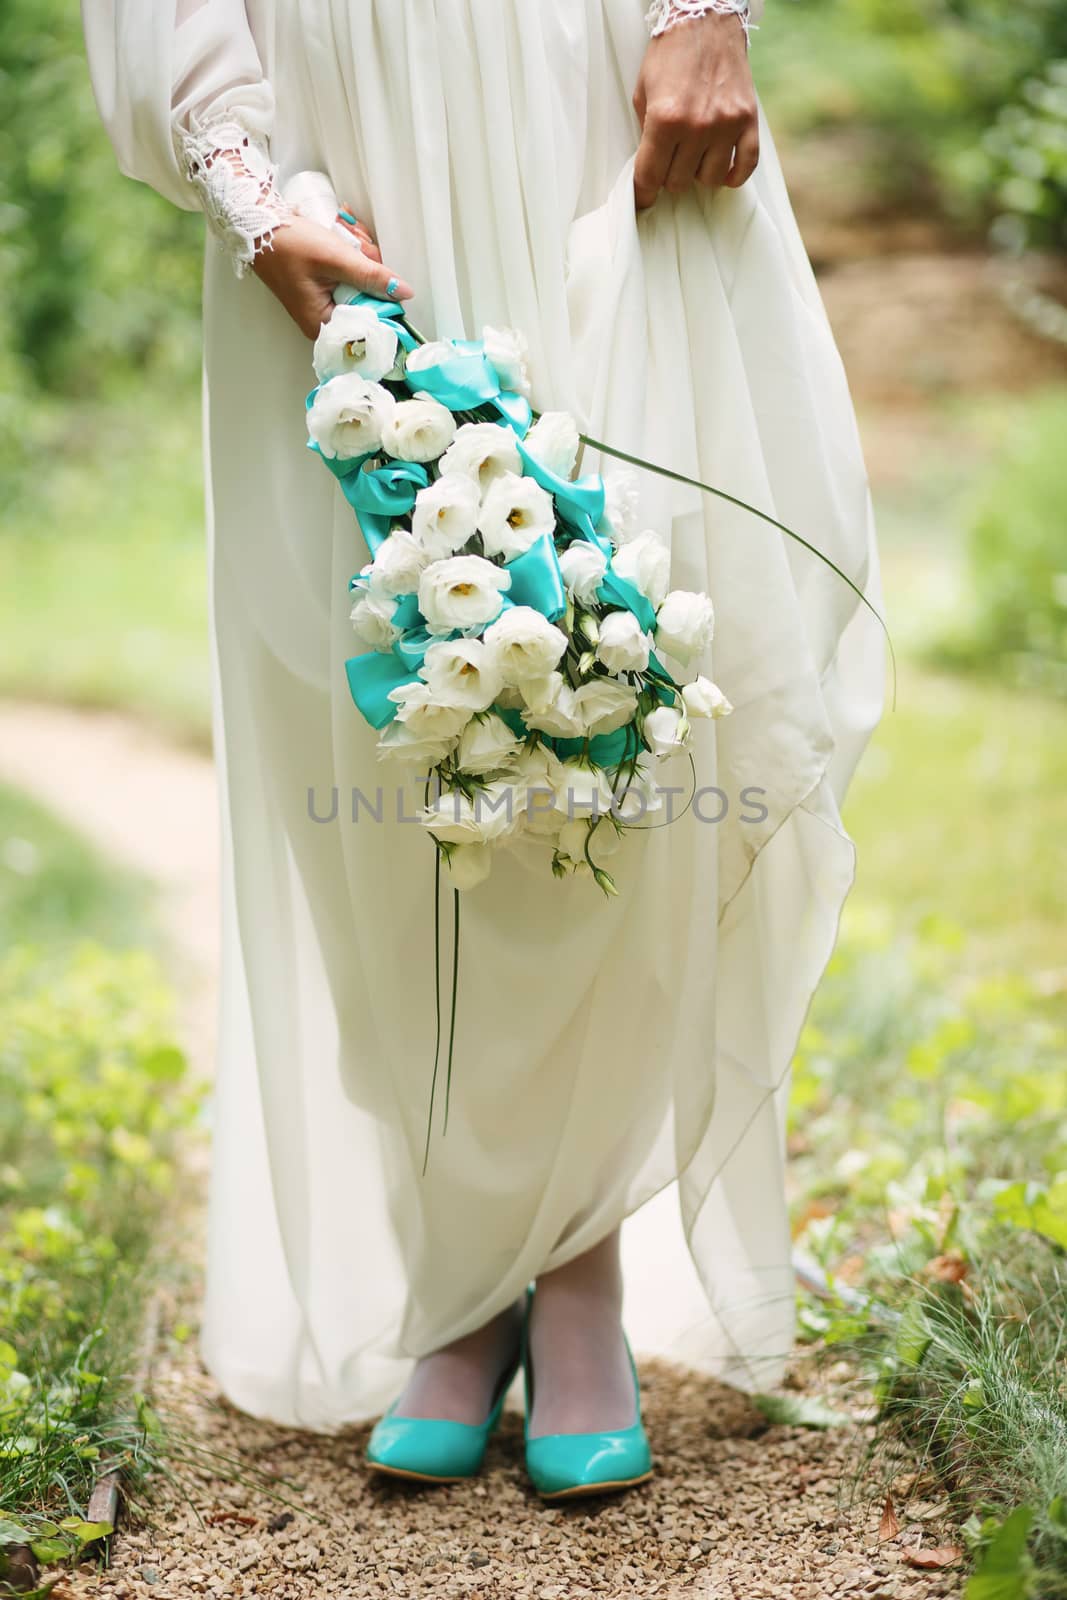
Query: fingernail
point(346, 216)
point(391, 287)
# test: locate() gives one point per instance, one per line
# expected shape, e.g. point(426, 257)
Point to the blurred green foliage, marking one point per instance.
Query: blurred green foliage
point(1016, 623)
point(97, 277)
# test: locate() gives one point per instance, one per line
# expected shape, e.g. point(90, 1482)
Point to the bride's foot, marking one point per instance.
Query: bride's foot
point(582, 1377)
point(459, 1383)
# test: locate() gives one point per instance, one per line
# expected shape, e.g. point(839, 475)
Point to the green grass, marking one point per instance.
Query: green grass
point(103, 574)
point(55, 890)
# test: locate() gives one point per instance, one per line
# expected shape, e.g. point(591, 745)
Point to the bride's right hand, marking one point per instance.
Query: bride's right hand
point(304, 263)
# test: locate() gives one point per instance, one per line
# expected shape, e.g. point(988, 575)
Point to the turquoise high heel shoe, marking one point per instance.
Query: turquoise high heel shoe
point(433, 1449)
point(565, 1465)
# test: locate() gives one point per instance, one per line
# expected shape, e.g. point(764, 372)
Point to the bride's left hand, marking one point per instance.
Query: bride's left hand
point(697, 108)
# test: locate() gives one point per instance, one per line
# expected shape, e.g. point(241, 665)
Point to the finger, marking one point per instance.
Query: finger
point(685, 163)
point(746, 158)
point(371, 276)
point(654, 156)
point(715, 167)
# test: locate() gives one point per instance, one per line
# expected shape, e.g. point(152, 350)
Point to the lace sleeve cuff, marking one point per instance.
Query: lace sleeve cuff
point(664, 14)
point(235, 183)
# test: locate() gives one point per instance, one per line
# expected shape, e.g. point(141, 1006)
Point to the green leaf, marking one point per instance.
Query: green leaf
point(798, 1411)
point(1005, 1571)
point(86, 1532)
point(13, 1533)
point(49, 1551)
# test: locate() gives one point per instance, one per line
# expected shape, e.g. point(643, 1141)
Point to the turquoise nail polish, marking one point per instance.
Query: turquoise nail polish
point(346, 216)
point(391, 287)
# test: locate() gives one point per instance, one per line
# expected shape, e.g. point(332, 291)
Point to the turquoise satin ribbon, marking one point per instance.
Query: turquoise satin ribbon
point(616, 591)
point(371, 680)
point(537, 581)
point(580, 502)
point(466, 381)
point(379, 496)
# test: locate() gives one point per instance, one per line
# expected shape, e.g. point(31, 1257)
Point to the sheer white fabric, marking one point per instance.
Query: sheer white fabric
point(606, 1052)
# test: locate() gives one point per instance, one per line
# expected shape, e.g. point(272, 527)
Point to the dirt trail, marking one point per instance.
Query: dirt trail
point(737, 1511)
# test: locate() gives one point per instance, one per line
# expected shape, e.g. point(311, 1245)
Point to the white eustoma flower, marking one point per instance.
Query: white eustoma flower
point(506, 351)
point(624, 646)
point(605, 705)
point(455, 819)
point(685, 623)
point(638, 794)
point(582, 791)
point(398, 565)
point(401, 743)
point(461, 673)
point(430, 354)
point(487, 745)
point(418, 430)
point(482, 451)
point(705, 699)
point(646, 563)
point(533, 775)
point(553, 442)
point(622, 493)
point(524, 644)
point(515, 513)
point(420, 711)
point(462, 592)
point(348, 417)
point(469, 865)
point(372, 618)
point(583, 566)
point(603, 841)
point(555, 709)
point(446, 515)
point(665, 730)
point(354, 340)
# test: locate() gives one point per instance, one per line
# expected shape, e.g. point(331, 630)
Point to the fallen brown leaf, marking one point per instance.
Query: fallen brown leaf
point(949, 1268)
point(889, 1526)
point(937, 1555)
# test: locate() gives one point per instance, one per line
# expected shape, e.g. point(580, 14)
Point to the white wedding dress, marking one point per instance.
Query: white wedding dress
point(605, 1050)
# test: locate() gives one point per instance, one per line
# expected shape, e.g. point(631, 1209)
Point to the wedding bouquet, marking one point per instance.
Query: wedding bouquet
point(525, 648)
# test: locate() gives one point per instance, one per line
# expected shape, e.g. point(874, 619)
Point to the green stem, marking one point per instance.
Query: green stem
point(764, 516)
point(437, 997)
point(452, 1024)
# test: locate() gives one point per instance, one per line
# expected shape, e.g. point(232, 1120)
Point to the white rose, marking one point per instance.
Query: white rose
point(515, 513)
point(482, 451)
point(372, 618)
point(418, 430)
point(398, 564)
point(646, 563)
point(705, 699)
point(506, 351)
point(354, 340)
point(425, 715)
point(555, 709)
point(454, 819)
point(553, 442)
point(487, 745)
point(401, 743)
point(664, 730)
point(446, 515)
point(460, 673)
point(605, 705)
point(621, 496)
point(348, 417)
point(685, 623)
point(624, 646)
point(469, 865)
point(535, 773)
point(524, 644)
point(583, 566)
point(463, 592)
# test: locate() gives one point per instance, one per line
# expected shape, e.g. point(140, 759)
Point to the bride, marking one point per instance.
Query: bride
point(586, 174)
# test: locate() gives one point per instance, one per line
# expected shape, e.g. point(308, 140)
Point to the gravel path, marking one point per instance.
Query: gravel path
point(737, 1510)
